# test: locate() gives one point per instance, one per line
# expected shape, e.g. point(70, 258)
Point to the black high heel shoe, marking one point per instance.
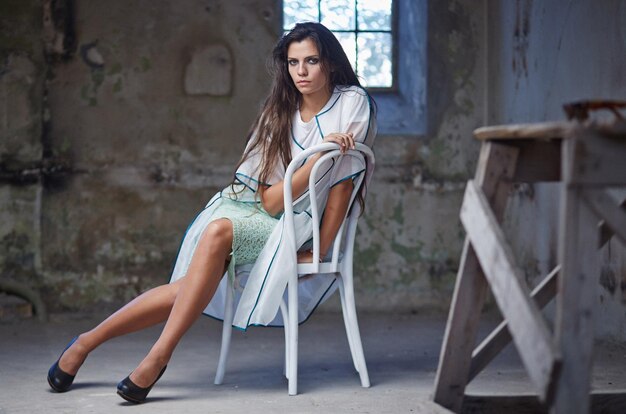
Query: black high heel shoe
point(59, 380)
point(131, 392)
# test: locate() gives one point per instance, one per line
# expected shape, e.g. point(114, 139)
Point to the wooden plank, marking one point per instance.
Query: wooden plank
point(496, 165)
point(595, 159)
point(578, 240)
point(529, 330)
point(538, 161)
point(500, 337)
point(542, 130)
point(455, 357)
point(612, 214)
point(605, 231)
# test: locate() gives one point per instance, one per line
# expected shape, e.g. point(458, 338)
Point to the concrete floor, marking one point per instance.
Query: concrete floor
point(401, 351)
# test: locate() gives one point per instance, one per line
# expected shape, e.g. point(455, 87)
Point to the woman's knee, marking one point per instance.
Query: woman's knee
point(218, 235)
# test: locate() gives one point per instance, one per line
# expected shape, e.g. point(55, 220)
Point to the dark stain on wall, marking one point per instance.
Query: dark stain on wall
point(521, 34)
point(59, 32)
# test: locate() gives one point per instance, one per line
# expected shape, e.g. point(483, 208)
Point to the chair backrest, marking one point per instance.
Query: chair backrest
point(362, 152)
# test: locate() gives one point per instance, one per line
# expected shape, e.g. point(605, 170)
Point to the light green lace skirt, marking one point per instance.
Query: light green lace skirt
point(252, 227)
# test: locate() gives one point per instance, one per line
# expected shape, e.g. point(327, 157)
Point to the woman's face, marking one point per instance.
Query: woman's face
point(305, 68)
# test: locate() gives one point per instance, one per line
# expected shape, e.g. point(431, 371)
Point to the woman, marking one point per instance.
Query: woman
point(316, 97)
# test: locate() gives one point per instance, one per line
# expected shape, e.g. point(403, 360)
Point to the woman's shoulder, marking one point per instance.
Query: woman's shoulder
point(351, 92)
point(353, 98)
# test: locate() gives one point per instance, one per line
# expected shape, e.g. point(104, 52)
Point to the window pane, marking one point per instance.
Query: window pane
point(295, 11)
point(374, 14)
point(348, 42)
point(338, 14)
point(375, 59)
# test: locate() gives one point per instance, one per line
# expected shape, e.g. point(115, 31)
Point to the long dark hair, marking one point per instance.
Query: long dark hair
point(272, 128)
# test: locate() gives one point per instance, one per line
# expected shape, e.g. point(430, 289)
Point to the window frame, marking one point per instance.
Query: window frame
point(403, 111)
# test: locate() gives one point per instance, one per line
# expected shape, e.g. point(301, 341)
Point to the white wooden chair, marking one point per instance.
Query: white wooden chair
point(339, 262)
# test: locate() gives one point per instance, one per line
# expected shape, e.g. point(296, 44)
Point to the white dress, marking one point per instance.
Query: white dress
point(264, 281)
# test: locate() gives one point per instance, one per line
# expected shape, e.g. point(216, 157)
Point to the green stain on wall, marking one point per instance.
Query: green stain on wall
point(146, 64)
point(365, 260)
point(89, 92)
point(115, 69)
point(117, 86)
point(175, 113)
point(84, 92)
point(398, 213)
point(97, 77)
point(412, 254)
point(64, 147)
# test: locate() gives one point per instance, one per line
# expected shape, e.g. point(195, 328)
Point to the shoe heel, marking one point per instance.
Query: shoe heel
point(59, 380)
point(133, 393)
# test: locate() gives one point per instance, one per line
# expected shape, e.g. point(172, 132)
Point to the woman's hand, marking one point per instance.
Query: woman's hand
point(306, 256)
point(345, 141)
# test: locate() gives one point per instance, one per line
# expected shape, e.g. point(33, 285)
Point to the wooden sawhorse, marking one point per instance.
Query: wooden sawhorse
point(587, 160)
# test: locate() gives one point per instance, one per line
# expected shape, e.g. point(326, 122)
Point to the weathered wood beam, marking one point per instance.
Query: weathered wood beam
point(576, 299)
point(529, 330)
point(612, 215)
point(595, 159)
point(543, 130)
point(538, 161)
point(500, 337)
point(496, 166)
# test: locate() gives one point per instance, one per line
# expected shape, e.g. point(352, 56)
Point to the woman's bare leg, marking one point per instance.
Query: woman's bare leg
point(194, 294)
point(148, 309)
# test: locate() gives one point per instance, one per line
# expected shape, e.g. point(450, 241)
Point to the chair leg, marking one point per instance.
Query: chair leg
point(229, 314)
point(292, 288)
point(353, 323)
point(347, 323)
point(283, 310)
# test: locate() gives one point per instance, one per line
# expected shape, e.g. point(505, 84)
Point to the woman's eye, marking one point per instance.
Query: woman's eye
point(313, 61)
point(292, 62)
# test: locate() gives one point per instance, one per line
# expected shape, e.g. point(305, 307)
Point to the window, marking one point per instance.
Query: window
point(386, 42)
point(363, 27)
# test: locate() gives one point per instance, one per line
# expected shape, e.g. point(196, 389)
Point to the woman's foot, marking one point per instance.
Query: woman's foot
point(60, 375)
point(147, 371)
point(73, 357)
point(137, 385)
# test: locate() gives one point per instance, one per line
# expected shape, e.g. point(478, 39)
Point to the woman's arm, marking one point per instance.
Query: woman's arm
point(272, 197)
point(336, 208)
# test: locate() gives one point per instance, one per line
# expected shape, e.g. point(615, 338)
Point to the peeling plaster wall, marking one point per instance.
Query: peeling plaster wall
point(410, 239)
point(543, 54)
point(139, 156)
point(22, 70)
point(146, 155)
